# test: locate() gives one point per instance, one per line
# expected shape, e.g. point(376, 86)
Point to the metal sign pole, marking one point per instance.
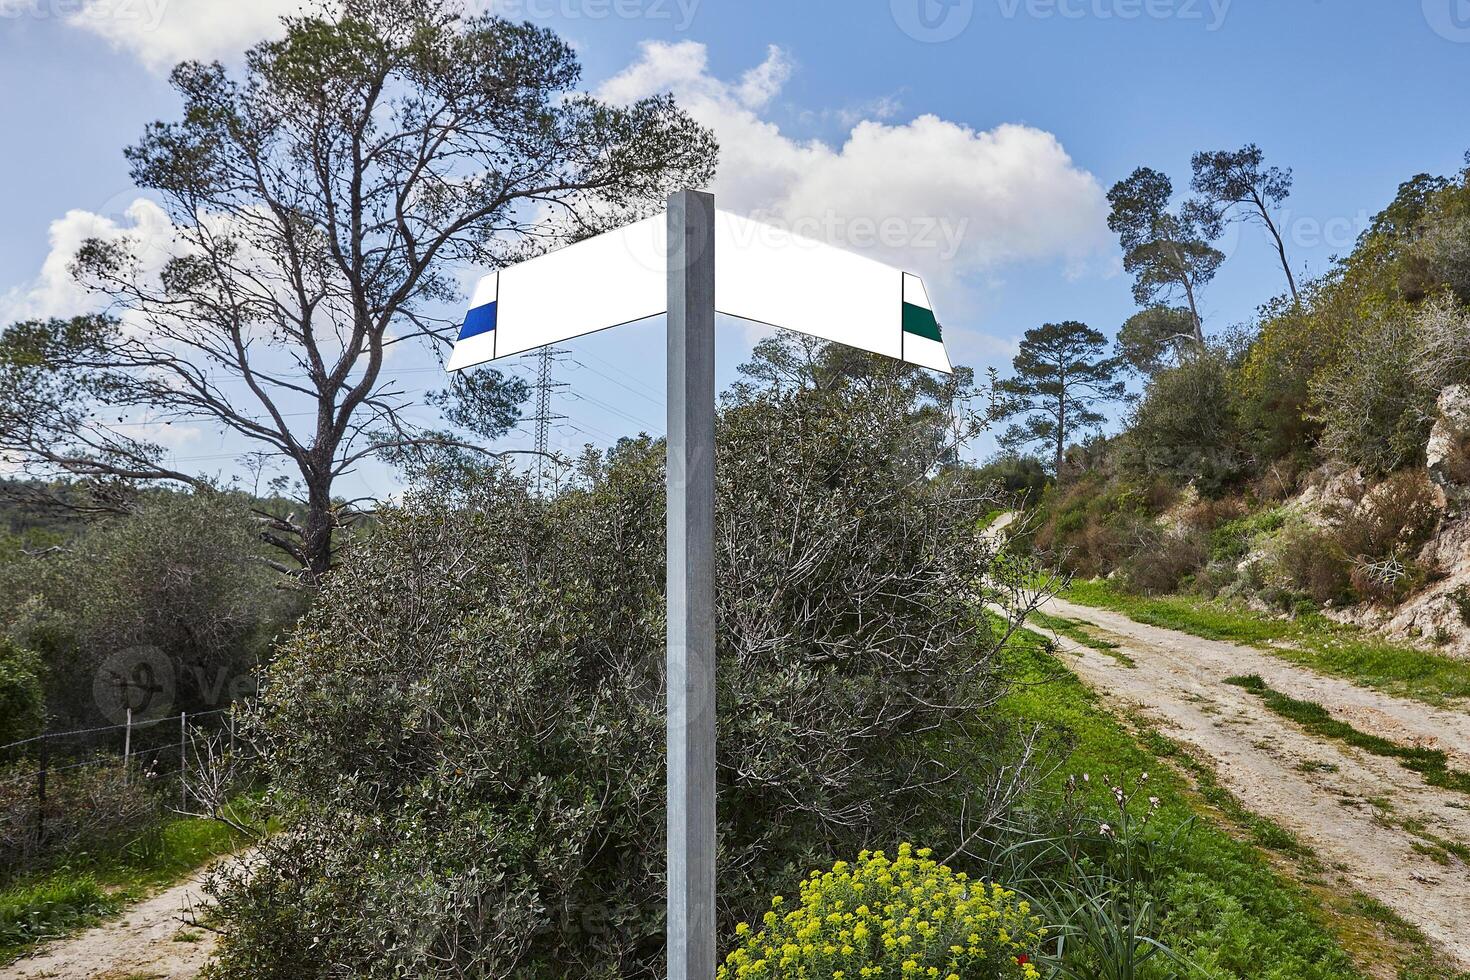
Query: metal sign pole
point(691, 587)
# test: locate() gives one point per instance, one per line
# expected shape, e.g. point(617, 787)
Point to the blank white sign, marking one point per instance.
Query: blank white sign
point(762, 273)
point(771, 276)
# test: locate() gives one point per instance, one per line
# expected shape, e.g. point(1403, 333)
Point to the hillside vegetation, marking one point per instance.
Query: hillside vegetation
point(1315, 460)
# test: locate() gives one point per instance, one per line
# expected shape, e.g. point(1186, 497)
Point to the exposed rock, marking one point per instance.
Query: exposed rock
point(1438, 616)
point(1330, 491)
point(1448, 453)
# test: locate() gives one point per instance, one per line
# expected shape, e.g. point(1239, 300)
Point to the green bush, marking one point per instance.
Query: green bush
point(1022, 479)
point(22, 698)
point(464, 735)
point(909, 916)
point(1185, 429)
point(180, 585)
point(1231, 541)
point(1374, 410)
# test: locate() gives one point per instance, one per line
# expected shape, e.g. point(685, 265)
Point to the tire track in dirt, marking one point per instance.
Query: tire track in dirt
point(1348, 806)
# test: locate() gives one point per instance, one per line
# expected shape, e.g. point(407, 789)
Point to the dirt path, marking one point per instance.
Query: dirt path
point(1352, 808)
point(150, 941)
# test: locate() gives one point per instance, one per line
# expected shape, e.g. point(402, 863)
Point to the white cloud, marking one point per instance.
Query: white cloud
point(152, 240)
point(54, 292)
point(936, 196)
point(760, 84)
point(883, 107)
point(161, 33)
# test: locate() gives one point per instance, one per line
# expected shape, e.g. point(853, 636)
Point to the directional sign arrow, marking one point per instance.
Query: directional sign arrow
point(762, 273)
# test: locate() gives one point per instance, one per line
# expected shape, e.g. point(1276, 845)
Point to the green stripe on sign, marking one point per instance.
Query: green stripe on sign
point(917, 320)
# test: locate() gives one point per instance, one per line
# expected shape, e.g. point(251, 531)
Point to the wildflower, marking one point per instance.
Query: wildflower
point(907, 916)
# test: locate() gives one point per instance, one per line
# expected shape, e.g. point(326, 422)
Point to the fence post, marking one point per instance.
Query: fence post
point(45, 758)
point(183, 762)
point(127, 744)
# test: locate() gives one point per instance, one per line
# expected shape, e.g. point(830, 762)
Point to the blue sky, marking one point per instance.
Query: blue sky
point(825, 108)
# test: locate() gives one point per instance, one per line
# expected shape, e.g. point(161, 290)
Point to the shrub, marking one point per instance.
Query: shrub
point(87, 806)
point(1369, 554)
point(1185, 429)
point(1460, 599)
point(1374, 411)
point(907, 917)
point(1092, 526)
point(1393, 520)
point(1165, 564)
point(1312, 561)
point(464, 735)
point(1443, 357)
point(1231, 541)
point(182, 576)
point(1020, 478)
point(22, 699)
point(1295, 342)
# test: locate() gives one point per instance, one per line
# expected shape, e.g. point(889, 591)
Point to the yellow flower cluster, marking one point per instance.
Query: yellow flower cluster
point(908, 918)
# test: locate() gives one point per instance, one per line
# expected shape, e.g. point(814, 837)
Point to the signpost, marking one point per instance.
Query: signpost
point(690, 263)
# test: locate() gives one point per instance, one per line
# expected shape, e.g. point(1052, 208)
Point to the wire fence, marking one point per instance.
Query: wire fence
point(61, 785)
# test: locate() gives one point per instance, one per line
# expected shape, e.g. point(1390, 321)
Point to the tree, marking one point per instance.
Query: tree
point(22, 698)
point(1186, 428)
point(1154, 338)
point(174, 591)
point(1234, 186)
point(321, 208)
point(1021, 479)
point(1167, 252)
point(1060, 380)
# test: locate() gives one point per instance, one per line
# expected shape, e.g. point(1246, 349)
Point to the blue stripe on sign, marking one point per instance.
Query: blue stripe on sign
point(477, 321)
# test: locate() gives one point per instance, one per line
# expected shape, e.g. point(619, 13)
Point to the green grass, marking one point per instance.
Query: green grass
point(1077, 630)
point(51, 907)
point(1432, 764)
point(1311, 641)
point(89, 887)
point(1227, 906)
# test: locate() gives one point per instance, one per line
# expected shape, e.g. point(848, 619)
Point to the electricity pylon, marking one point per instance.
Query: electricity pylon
point(545, 358)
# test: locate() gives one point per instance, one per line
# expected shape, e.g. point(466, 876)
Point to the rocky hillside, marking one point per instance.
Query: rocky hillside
point(1439, 611)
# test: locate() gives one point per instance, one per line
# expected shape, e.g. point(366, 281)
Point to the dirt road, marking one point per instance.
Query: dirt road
point(1365, 816)
point(151, 941)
